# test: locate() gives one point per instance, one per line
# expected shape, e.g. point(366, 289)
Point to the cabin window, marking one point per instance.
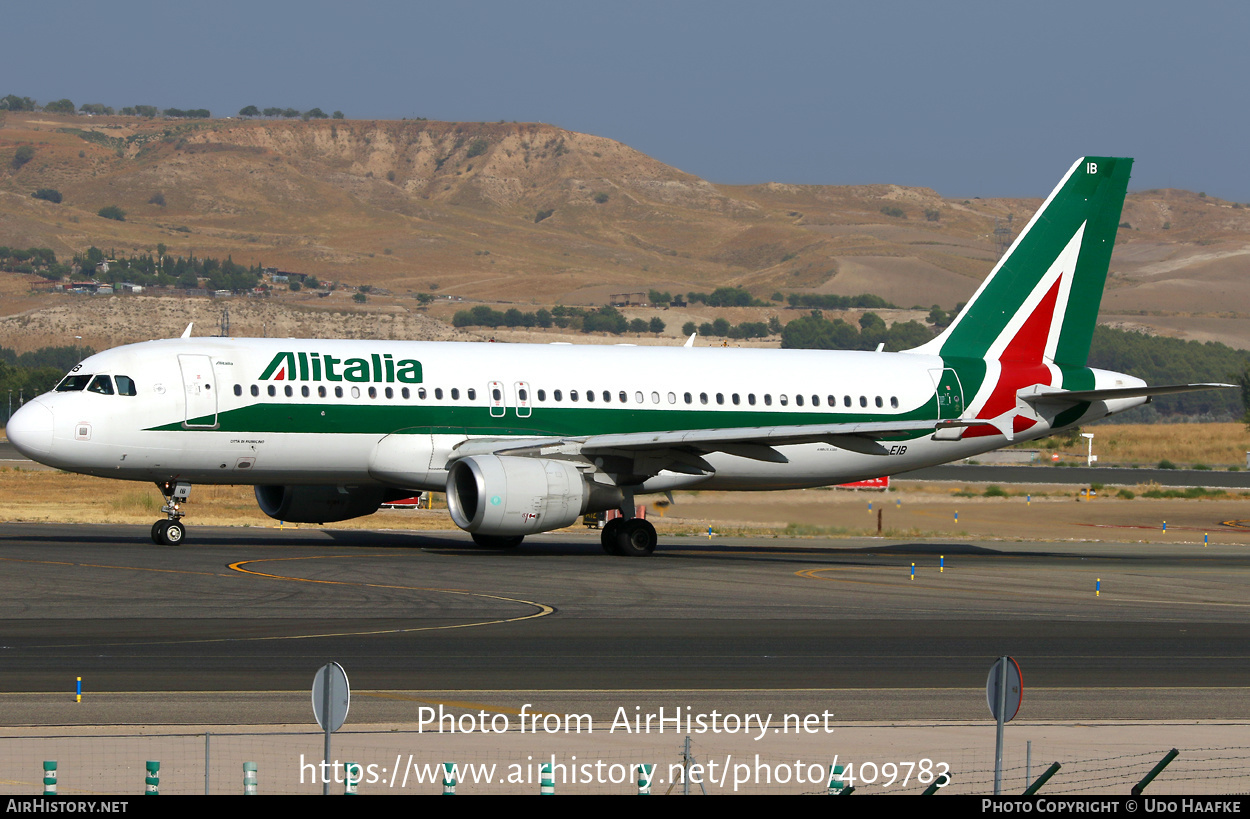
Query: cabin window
point(798, 399)
point(438, 393)
point(556, 395)
point(496, 394)
point(672, 398)
point(522, 394)
point(542, 395)
point(607, 397)
point(272, 390)
point(321, 392)
point(455, 393)
point(782, 400)
point(846, 400)
point(894, 401)
point(390, 393)
point(768, 400)
point(815, 400)
point(73, 383)
point(288, 390)
point(420, 393)
point(472, 393)
point(355, 392)
point(406, 393)
point(101, 384)
point(833, 401)
point(736, 400)
point(720, 398)
point(338, 392)
point(702, 398)
point(255, 390)
point(304, 391)
point(639, 398)
point(238, 389)
point(689, 398)
point(655, 398)
point(880, 403)
point(625, 397)
point(590, 396)
point(573, 396)
point(863, 400)
point(373, 392)
point(751, 398)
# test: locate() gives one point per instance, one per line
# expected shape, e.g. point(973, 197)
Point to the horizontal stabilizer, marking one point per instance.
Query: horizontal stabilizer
point(1039, 392)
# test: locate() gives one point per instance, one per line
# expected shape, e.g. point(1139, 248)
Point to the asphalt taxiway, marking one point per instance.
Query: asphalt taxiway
point(231, 625)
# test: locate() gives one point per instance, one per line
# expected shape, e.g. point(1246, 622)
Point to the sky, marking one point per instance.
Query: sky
point(971, 98)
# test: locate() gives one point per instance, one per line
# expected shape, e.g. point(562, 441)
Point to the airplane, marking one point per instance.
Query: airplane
point(526, 438)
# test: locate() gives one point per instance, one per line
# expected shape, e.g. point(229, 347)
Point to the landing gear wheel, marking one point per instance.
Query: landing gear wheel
point(636, 538)
point(174, 533)
point(158, 532)
point(498, 541)
point(607, 536)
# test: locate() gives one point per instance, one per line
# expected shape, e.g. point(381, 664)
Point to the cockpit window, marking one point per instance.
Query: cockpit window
point(101, 384)
point(126, 385)
point(73, 383)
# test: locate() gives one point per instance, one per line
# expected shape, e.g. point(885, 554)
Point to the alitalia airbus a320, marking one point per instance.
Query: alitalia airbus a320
point(526, 438)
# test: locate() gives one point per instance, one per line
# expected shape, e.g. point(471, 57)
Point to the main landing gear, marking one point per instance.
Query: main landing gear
point(634, 537)
point(170, 532)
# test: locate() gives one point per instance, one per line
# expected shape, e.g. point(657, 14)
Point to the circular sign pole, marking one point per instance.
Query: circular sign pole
point(1003, 692)
point(331, 698)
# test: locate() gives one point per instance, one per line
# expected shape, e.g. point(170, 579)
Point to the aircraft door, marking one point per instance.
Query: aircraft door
point(200, 390)
point(523, 400)
point(950, 394)
point(498, 407)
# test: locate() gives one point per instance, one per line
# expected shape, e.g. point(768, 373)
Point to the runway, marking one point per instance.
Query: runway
point(258, 610)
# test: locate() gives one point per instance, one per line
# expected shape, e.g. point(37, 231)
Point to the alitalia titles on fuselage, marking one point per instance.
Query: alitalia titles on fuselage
point(377, 368)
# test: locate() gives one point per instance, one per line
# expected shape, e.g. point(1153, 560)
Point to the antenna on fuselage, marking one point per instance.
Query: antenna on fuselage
point(187, 332)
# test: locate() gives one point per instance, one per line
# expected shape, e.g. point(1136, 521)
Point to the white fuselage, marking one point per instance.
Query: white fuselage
point(209, 410)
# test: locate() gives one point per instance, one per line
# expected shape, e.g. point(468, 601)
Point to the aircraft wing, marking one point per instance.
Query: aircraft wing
point(680, 450)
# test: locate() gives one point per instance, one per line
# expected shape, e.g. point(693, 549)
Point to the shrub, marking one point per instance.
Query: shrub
point(933, 215)
point(601, 197)
point(894, 211)
point(1166, 464)
point(158, 198)
point(1126, 494)
point(995, 492)
point(477, 147)
point(22, 155)
point(543, 214)
point(48, 194)
point(112, 212)
point(359, 298)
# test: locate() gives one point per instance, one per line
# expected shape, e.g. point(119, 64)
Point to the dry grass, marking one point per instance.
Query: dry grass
point(1214, 445)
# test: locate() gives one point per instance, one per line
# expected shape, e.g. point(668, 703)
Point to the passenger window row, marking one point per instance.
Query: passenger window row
point(574, 396)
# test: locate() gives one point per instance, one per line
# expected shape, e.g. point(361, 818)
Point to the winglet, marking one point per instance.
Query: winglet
point(187, 332)
point(690, 341)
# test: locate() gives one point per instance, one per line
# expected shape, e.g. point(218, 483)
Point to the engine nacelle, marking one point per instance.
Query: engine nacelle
point(319, 504)
point(505, 495)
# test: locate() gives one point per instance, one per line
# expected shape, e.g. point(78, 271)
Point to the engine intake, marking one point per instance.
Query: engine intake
point(505, 495)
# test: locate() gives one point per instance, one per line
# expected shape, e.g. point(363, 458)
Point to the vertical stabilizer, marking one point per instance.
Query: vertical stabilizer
point(1040, 303)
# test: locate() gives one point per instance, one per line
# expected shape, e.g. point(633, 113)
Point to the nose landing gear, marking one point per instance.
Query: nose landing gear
point(171, 532)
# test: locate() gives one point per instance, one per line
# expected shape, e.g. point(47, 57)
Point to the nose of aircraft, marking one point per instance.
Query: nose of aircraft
point(30, 430)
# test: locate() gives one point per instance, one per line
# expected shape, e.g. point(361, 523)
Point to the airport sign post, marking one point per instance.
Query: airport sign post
point(1003, 691)
point(331, 697)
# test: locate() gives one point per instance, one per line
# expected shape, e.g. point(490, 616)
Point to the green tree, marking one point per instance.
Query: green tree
point(249, 111)
point(359, 298)
point(112, 212)
point(688, 329)
point(316, 113)
point(48, 194)
point(62, 106)
point(22, 155)
point(337, 115)
point(656, 325)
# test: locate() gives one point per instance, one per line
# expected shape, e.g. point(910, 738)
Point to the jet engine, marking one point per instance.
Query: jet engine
point(506, 496)
point(320, 504)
